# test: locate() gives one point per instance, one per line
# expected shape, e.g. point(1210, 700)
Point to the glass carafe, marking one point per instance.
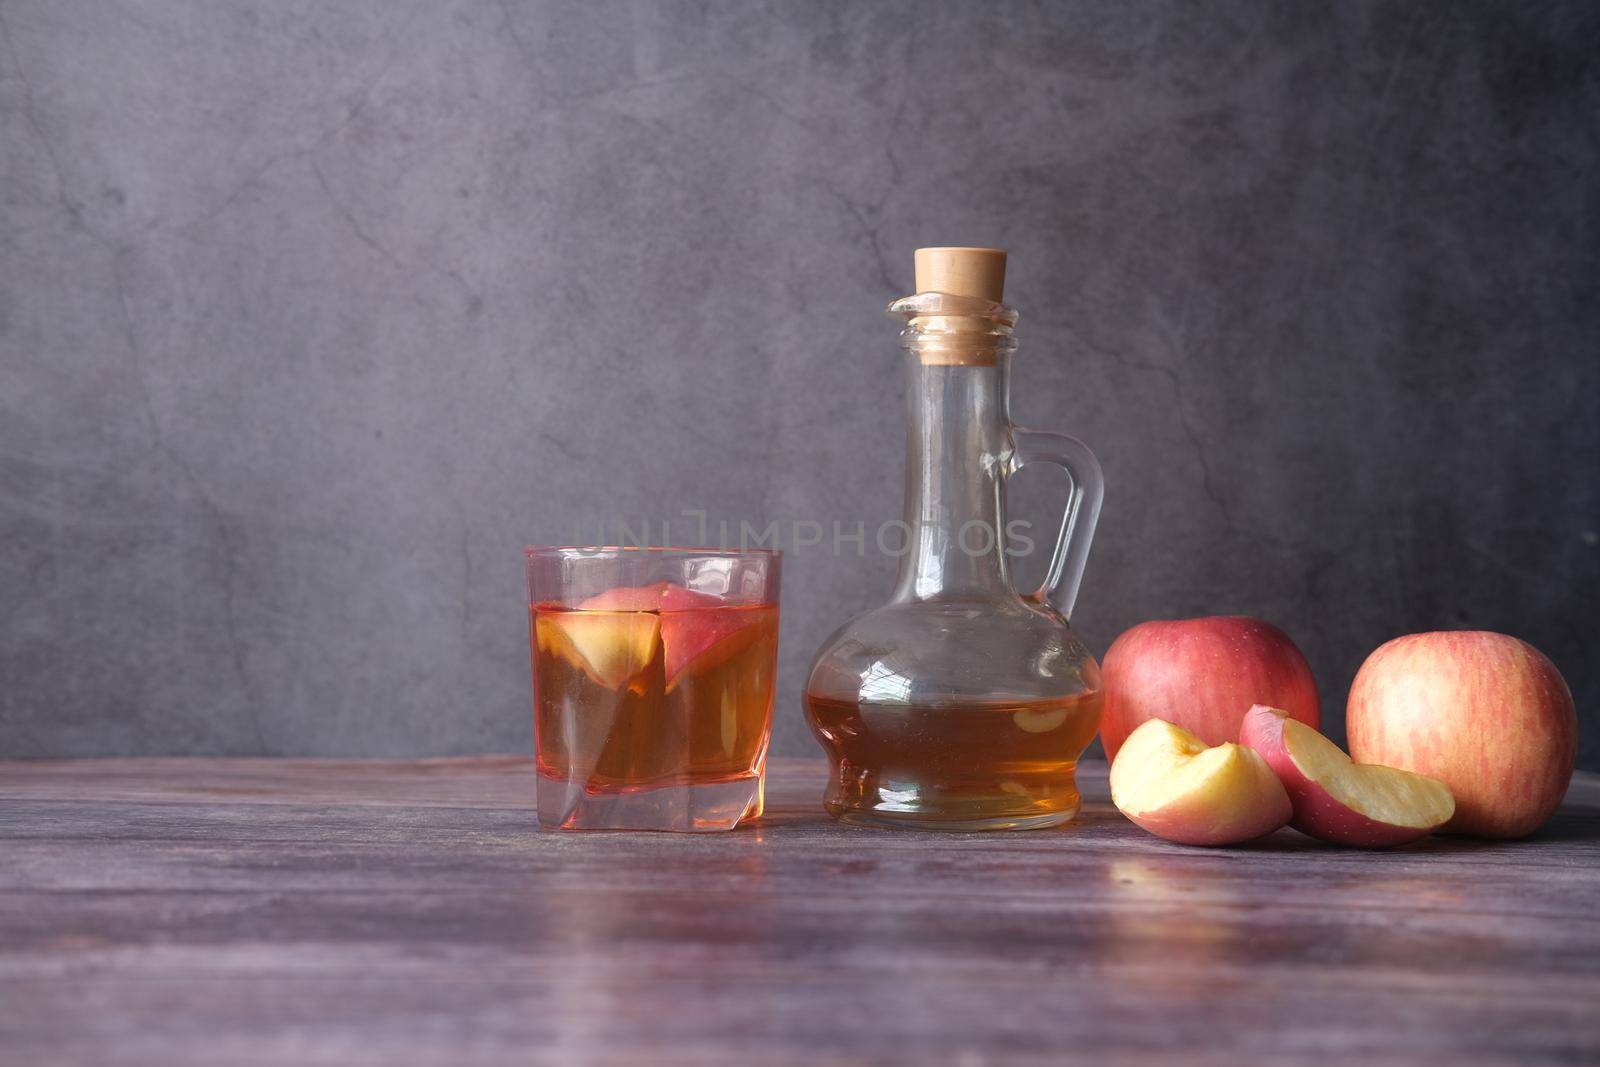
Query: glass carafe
point(962, 704)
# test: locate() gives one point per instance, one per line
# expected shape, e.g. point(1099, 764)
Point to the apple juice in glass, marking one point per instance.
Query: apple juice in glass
point(653, 673)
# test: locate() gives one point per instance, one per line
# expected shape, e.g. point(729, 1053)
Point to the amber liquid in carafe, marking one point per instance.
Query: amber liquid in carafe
point(954, 764)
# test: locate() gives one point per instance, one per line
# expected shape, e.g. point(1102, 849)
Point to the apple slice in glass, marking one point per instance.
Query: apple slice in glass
point(1167, 781)
point(1340, 801)
point(698, 630)
point(609, 646)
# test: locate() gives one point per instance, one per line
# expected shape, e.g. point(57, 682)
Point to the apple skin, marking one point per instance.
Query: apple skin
point(1317, 812)
point(1485, 713)
point(1203, 675)
point(1240, 800)
point(698, 630)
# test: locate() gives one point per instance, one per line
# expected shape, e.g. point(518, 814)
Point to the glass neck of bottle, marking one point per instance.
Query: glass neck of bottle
point(958, 445)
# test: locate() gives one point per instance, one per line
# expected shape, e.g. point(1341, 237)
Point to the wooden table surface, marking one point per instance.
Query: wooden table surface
point(319, 911)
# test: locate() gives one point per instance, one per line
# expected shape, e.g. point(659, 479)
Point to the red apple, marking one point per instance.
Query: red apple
point(1337, 800)
point(697, 629)
point(1202, 674)
point(1486, 714)
point(1168, 782)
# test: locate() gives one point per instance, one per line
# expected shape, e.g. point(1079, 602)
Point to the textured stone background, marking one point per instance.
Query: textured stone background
point(312, 314)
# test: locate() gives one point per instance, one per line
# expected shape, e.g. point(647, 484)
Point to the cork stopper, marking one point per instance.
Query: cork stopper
point(975, 272)
point(956, 318)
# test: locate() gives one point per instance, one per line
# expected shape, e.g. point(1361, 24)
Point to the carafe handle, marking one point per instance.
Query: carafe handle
point(1060, 588)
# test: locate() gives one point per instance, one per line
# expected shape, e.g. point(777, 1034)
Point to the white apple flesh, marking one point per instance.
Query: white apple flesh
point(611, 647)
point(1337, 800)
point(1170, 783)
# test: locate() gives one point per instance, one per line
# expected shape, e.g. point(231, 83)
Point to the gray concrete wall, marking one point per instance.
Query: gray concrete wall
point(312, 315)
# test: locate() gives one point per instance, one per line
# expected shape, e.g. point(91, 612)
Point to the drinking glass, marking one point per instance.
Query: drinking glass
point(653, 673)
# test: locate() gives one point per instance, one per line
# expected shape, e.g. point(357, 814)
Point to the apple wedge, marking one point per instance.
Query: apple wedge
point(1168, 782)
point(698, 630)
point(1338, 800)
point(609, 646)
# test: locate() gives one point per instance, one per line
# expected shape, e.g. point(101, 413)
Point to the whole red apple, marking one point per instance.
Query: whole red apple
point(1486, 714)
point(1203, 675)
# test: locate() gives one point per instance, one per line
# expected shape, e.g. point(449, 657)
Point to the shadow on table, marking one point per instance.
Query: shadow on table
point(1564, 827)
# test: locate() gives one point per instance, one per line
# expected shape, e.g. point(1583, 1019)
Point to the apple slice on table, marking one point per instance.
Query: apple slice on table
point(1167, 781)
point(1338, 800)
point(696, 628)
point(610, 648)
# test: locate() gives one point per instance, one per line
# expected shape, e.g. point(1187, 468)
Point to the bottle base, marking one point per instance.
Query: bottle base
point(1014, 800)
